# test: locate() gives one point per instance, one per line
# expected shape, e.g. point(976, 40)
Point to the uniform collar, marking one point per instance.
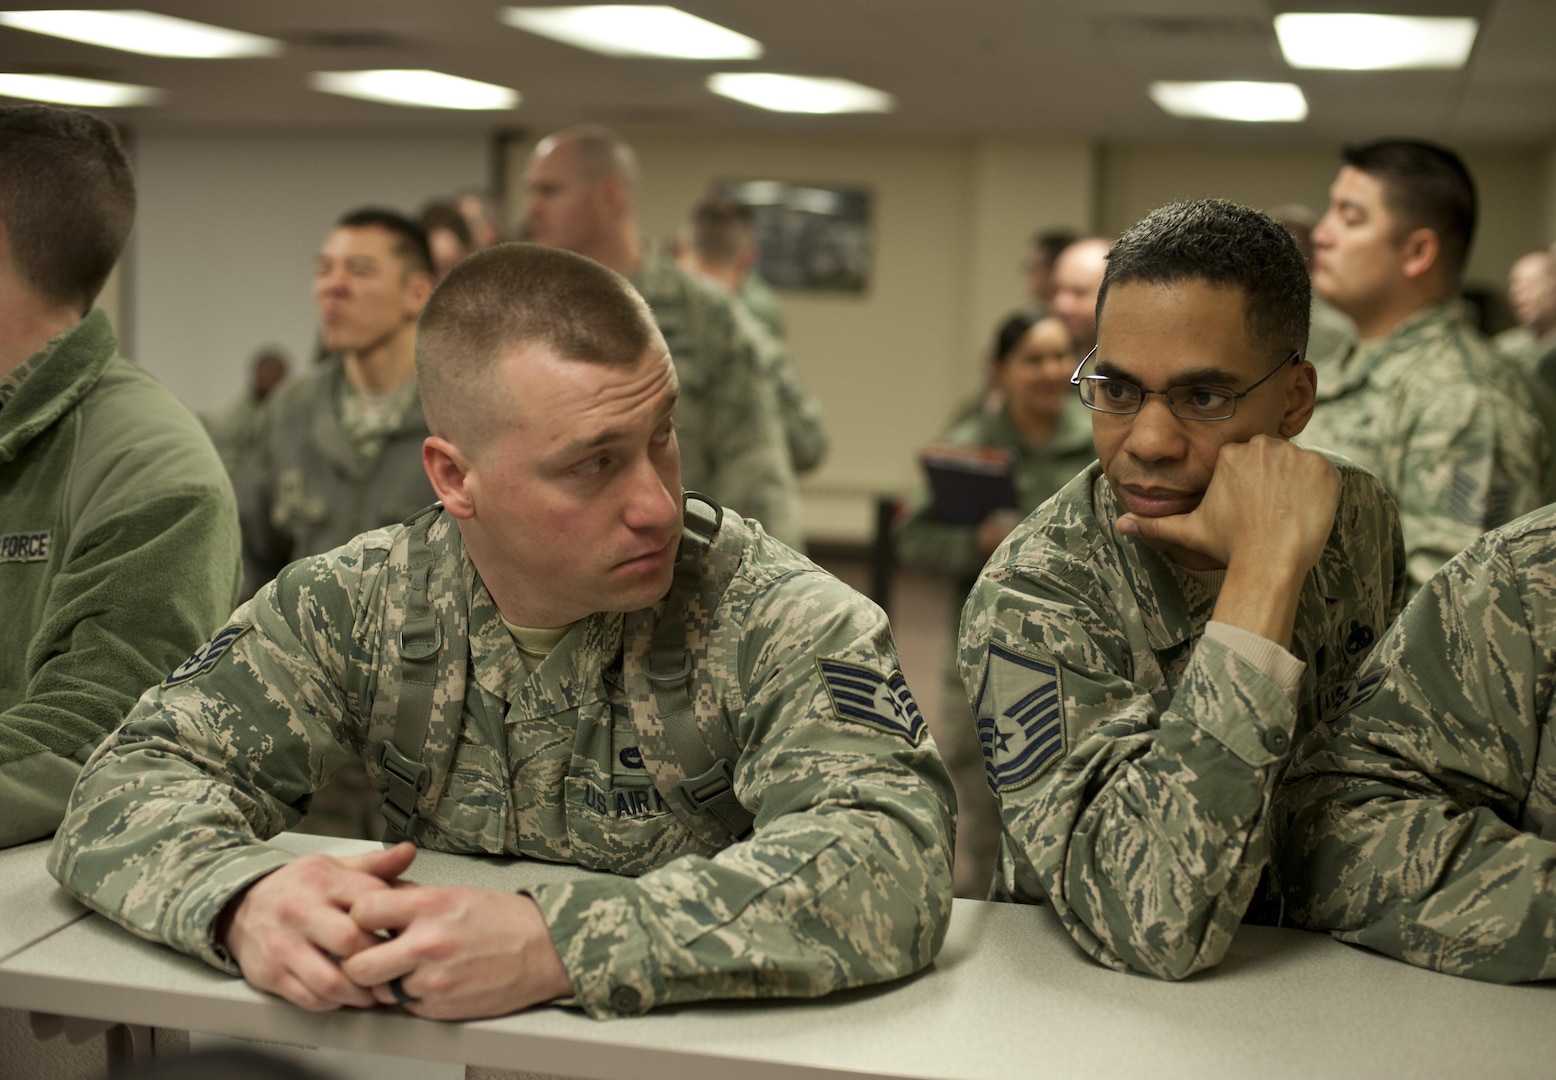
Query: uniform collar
point(1372, 361)
point(56, 378)
point(573, 675)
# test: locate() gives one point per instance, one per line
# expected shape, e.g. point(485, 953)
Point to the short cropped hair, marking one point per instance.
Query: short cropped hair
point(1221, 243)
point(722, 230)
point(445, 215)
point(67, 198)
point(1425, 186)
point(1052, 242)
point(510, 297)
point(410, 239)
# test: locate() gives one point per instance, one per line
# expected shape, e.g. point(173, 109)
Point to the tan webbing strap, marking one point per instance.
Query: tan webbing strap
point(419, 640)
point(708, 787)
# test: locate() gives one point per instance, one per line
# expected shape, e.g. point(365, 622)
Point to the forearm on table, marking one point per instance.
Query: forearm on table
point(804, 908)
point(1172, 820)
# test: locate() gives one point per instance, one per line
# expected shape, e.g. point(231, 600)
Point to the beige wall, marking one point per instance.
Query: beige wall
point(1548, 185)
point(889, 366)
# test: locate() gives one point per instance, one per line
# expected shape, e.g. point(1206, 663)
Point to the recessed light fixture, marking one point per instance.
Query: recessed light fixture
point(415, 88)
point(1374, 42)
point(69, 90)
point(635, 30)
point(1249, 101)
point(800, 93)
point(144, 32)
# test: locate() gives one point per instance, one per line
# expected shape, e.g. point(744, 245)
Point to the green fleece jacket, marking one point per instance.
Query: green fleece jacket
point(118, 556)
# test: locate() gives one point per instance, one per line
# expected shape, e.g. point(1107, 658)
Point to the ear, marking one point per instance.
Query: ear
point(449, 471)
point(1420, 251)
point(1301, 395)
point(418, 290)
point(613, 197)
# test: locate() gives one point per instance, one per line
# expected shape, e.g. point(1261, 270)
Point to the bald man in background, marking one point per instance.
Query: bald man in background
point(1077, 280)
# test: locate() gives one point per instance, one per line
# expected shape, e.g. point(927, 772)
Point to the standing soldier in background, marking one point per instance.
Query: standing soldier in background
point(1077, 280)
point(582, 185)
point(1038, 266)
point(1531, 290)
point(1420, 400)
point(719, 245)
point(339, 449)
point(233, 427)
point(118, 534)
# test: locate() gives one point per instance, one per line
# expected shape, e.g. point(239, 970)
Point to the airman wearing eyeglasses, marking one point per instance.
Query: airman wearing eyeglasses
point(1144, 650)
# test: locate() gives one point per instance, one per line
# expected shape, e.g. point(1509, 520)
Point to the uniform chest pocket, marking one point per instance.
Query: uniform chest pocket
point(471, 814)
point(627, 828)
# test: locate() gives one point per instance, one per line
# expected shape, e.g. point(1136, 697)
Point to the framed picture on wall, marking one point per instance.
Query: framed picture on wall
point(812, 237)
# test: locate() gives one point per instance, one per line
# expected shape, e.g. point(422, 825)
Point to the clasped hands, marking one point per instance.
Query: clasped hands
point(326, 932)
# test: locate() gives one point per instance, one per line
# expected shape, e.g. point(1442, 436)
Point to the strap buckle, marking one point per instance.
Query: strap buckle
point(421, 648)
point(713, 792)
point(406, 782)
point(664, 679)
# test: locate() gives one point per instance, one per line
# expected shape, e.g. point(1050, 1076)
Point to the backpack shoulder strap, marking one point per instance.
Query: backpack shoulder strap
point(417, 640)
point(689, 751)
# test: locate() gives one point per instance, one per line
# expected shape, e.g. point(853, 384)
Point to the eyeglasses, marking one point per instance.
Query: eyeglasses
point(1105, 394)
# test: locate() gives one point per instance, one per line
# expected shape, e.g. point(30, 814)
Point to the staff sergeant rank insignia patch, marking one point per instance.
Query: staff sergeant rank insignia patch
point(860, 694)
point(1028, 735)
point(205, 657)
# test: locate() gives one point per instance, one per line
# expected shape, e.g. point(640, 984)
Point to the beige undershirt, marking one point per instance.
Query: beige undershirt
point(534, 644)
point(1272, 661)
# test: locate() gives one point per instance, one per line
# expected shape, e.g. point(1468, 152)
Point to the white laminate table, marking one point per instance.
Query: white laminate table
point(1008, 996)
point(31, 906)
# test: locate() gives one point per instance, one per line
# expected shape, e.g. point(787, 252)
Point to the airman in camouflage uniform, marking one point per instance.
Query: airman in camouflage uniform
point(1143, 649)
point(1420, 400)
point(1033, 363)
point(733, 443)
point(582, 182)
point(1427, 410)
point(718, 244)
point(338, 451)
point(1424, 821)
point(555, 458)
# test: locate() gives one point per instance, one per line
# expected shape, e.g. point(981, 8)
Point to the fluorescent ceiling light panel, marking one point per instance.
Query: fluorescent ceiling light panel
point(1374, 42)
point(1250, 101)
point(635, 30)
point(144, 32)
point(800, 93)
point(68, 90)
point(415, 88)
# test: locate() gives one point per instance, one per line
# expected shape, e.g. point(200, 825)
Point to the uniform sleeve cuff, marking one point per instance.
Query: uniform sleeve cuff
point(1236, 704)
point(603, 944)
point(191, 923)
point(1276, 664)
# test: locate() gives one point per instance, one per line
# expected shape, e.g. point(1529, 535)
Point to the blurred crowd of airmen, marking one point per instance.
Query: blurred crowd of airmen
point(486, 610)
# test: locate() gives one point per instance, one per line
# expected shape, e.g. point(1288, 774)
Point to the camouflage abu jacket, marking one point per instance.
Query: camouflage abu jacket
point(1424, 825)
point(307, 488)
point(1134, 759)
point(845, 881)
point(1443, 423)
